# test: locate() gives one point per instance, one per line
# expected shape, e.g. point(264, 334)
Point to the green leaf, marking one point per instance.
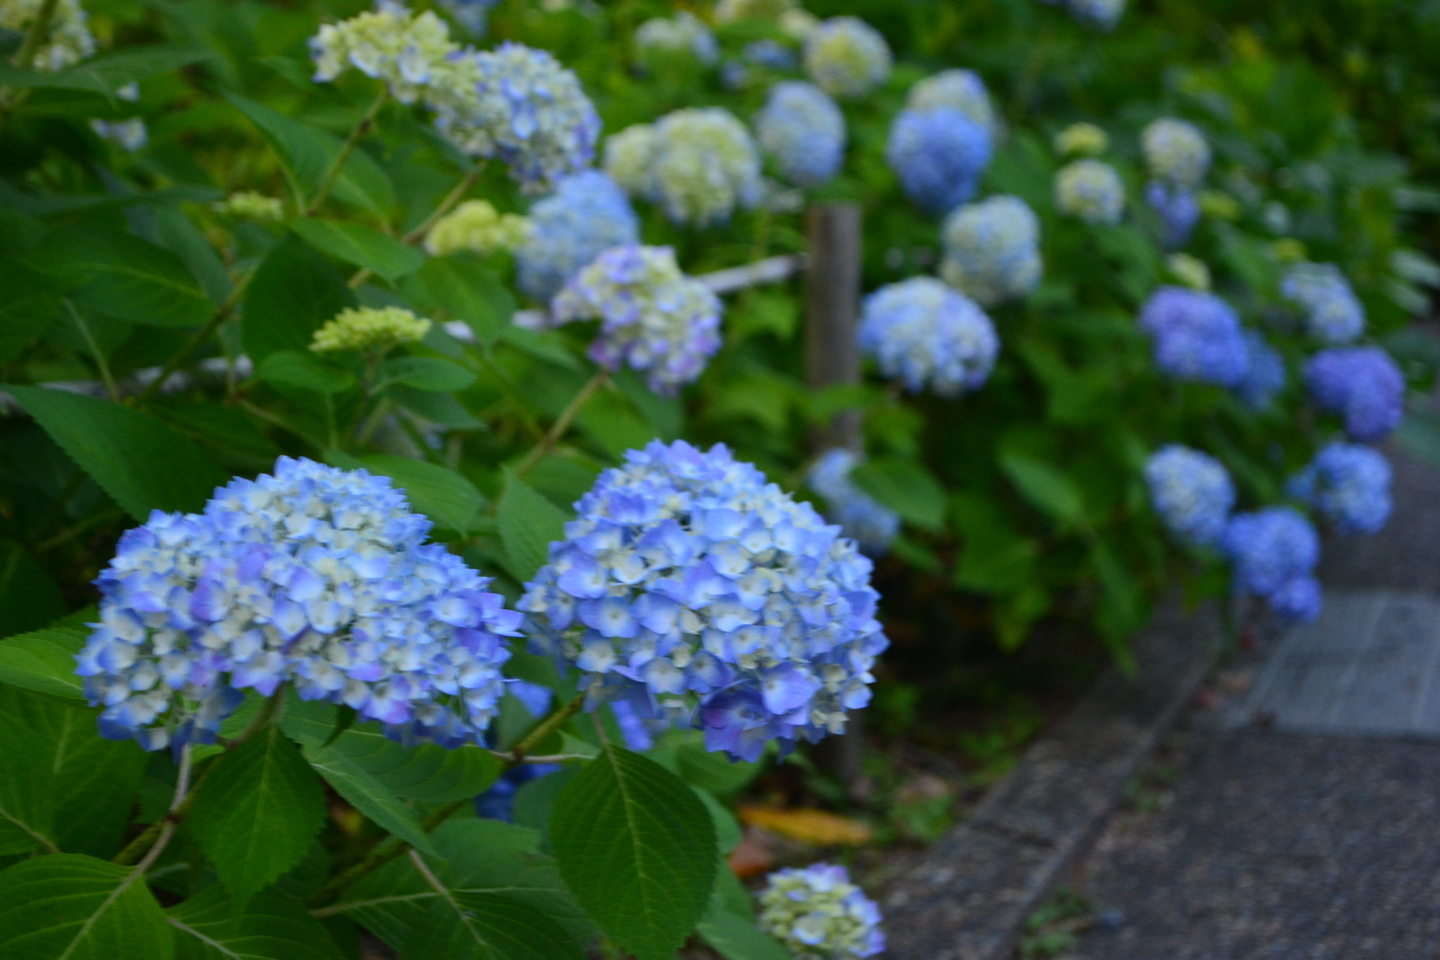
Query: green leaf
point(79, 908)
point(293, 292)
point(737, 938)
point(126, 277)
point(256, 814)
point(29, 597)
point(637, 849)
point(27, 790)
point(424, 373)
point(440, 408)
point(460, 287)
point(528, 525)
point(713, 771)
point(1046, 487)
point(488, 926)
point(727, 828)
point(31, 301)
point(301, 368)
point(440, 493)
point(363, 246)
point(366, 793)
point(994, 556)
point(43, 661)
point(140, 462)
point(906, 487)
point(271, 926)
point(109, 72)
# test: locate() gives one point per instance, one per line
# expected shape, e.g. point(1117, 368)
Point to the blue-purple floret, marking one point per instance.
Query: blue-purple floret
point(585, 216)
point(1333, 313)
point(939, 155)
point(804, 131)
point(1274, 552)
point(1264, 373)
point(1197, 336)
point(1349, 484)
point(1177, 208)
point(1191, 491)
point(699, 593)
point(861, 517)
point(1360, 384)
point(313, 576)
point(925, 334)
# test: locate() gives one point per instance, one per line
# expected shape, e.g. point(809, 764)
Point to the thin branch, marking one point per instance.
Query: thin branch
point(37, 34)
point(453, 197)
point(101, 363)
point(338, 164)
point(222, 313)
point(562, 423)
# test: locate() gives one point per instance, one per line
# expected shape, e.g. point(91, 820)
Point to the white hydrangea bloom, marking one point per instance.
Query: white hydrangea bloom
point(685, 33)
point(70, 40)
point(1176, 151)
point(1092, 191)
point(696, 164)
point(477, 227)
point(389, 43)
point(846, 57)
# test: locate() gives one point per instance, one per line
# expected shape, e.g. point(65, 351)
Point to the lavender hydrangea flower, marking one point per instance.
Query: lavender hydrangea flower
point(1090, 190)
point(697, 591)
point(961, 90)
point(1176, 152)
point(1197, 336)
point(818, 914)
point(1349, 485)
point(861, 518)
point(1274, 552)
point(585, 216)
point(1332, 312)
point(1192, 493)
point(314, 576)
point(803, 129)
point(1361, 384)
point(652, 317)
point(939, 155)
point(992, 250)
point(1178, 210)
point(923, 332)
point(846, 57)
point(1264, 373)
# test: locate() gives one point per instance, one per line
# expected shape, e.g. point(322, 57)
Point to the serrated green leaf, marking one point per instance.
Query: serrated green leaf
point(301, 368)
point(637, 849)
point(257, 812)
point(27, 790)
point(1045, 486)
point(714, 771)
point(487, 926)
point(271, 926)
point(424, 373)
point(29, 596)
point(363, 246)
point(43, 661)
point(438, 492)
point(906, 487)
point(79, 908)
point(466, 291)
point(106, 73)
point(737, 938)
point(528, 525)
point(123, 276)
point(293, 292)
point(32, 299)
point(364, 791)
point(727, 828)
point(139, 461)
point(439, 408)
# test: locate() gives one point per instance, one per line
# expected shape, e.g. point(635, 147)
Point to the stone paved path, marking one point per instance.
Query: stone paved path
point(1301, 819)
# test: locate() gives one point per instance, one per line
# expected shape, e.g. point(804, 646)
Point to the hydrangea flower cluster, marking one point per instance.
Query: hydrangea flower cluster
point(1264, 373)
point(476, 226)
point(1081, 140)
point(1192, 493)
point(820, 915)
point(129, 134)
point(1177, 209)
point(1102, 13)
point(938, 155)
point(1349, 484)
point(923, 332)
point(770, 54)
point(1191, 271)
point(732, 11)
point(369, 330)
point(389, 43)
point(861, 517)
point(69, 40)
point(1274, 552)
point(1092, 191)
point(992, 250)
point(684, 34)
point(1197, 336)
point(473, 15)
point(652, 317)
point(314, 576)
point(961, 90)
point(585, 216)
point(687, 573)
point(803, 129)
point(1176, 152)
point(518, 104)
point(249, 205)
point(698, 165)
point(1361, 384)
point(1333, 314)
point(846, 57)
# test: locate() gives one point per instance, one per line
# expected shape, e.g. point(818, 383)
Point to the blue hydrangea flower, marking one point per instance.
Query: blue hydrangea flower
point(923, 332)
point(939, 155)
point(1360, 384)
point(1090, 190)
point(861, 518)
point(961, 90)
point(1176, 152)
point(315, 576)
point(992, 250)
point(517, 104)
point(1197, 336)
point(770, 54)
point(803, 129)
point(1178, 210)
point(1333, 314)
point(585, 216)
point(697, 591)
point(846, 57)
point(1264, 373)
point(653, 318)
point(698, 164)
point(1274, 552)
point(818, 914)
point(1349, 485)
point(684, 34)
point(473, 15)
point(1192, 493)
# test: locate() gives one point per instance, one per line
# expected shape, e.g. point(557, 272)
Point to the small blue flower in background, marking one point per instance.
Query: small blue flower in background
point(846, 57)
point(1264, 373)
point(925, 333)
point(585, 216)
point(1197, 336)
point(130, 134)
point(961, 90)
point(992, 250)
point(861, 518)
point(1349, 485)
point(939, 155)
point(770, 54)
point(1090, 190)
point(803, 129)
point(1332, 312)
point(1101, 13)
point(1360, 384)
point(1177, 208)
point(818, 914)
point(699, 593)
point(315, 576)
point(1176, 152)
point(1274, 552)
point(1191, 491)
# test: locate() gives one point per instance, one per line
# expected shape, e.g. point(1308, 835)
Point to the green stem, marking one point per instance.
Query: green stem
point(99, 519)
point(100, 362)
point(333, 172)
point(222, 313)
point(36, 35)
point(562, 423)
point(512, 392)
point(448, 203)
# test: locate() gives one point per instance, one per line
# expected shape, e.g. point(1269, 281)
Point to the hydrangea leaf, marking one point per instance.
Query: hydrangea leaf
point(906, 487)
point(737, 938)
point(123, 276)
point(363, 246)
point(528, 524)
point(440, 493)
point(424, 373)
point(32, 300)
point(464, 290)
point(637, 849)
point(29, 596)
point(293, 292)
point(462, 925)
point(43, 661)
point(272, 926)
point(1045, 486)
point(301, 368)
point(368, 794)
point(109, 72)
point(71, 905)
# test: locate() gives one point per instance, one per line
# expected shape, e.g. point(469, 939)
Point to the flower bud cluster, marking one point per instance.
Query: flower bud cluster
point(684, 34)
point(68, 40)
point(1360, 384)
point(476, 226)
point(369, 330)
point(389, 43)
point(1196, 335)
point(1081, 140)
point(992, 250)
point(697, 164)
point(1092, 191)
point(585, 216)
point(846, 57)
point(938, 155)
point(732, 11)
point(1192, 492)
point(961, 90)
point(1332, 312)
point(1274, 552)
point(697, 591)
point(1349, 484)
point(861, 518)
point(923, 332)
point(1190, 271)
point(1176, 152)
point(803, 129)
point(249, 205)
point(818, 914)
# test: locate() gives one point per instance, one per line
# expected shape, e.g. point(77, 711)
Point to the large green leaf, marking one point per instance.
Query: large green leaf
point(363, 246)
point(1045, 486)
point(271, 926)
point(440, 493)
point(126, 277)
point(528, 525)
point(466, 291)
point(366, 793)
point(27, 790)
point(301, 368)
point(73, 907)
point(107, 73)
point(29, 597)
point(31, 301)
point(424, 373)
point(256, 814)
point(462, 925)
point(637, 849)
point(43, 661)
point(293, 292)
point(134, 457)
point(737, 938)
point(906, 487)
